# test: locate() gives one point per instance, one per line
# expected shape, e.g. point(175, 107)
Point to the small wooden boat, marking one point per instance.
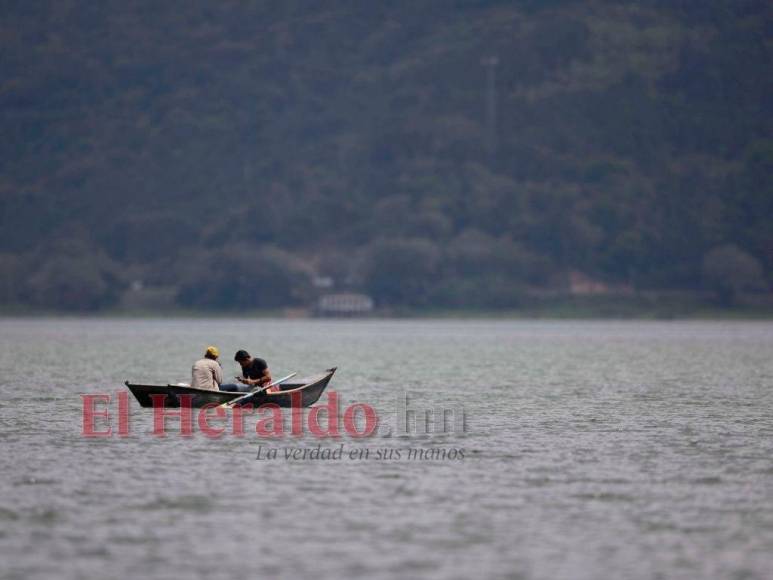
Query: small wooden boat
point(309, 388)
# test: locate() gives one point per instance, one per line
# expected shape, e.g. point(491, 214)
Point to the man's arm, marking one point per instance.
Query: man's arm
point(263, 379)
point(218, 374)
point(266, 378)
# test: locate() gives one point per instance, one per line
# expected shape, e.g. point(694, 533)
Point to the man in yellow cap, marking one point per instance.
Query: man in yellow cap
point(207, 373)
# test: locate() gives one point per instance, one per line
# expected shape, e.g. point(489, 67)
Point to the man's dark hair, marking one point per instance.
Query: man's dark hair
point(241, 355)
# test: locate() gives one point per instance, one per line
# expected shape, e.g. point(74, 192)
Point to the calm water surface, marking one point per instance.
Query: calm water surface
point(593, 450)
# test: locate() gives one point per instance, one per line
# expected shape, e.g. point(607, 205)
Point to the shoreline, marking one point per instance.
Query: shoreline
point(554, 312)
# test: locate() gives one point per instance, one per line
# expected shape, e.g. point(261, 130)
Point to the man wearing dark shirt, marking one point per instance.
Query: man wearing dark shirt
point(254, 369)
point(255, 374)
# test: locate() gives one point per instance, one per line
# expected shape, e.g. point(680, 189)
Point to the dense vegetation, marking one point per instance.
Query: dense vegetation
point(233, 151)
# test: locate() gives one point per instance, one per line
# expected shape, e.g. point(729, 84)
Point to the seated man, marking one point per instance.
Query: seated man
point(255, 370)
point(255, 374)
point(206, 372)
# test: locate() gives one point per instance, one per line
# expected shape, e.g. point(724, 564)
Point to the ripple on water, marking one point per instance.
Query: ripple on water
point(32, 480)
point(98, 552)
point(45, 516)
point(605, 496)
point(190, 503)
point(7, 515)
point(132, 540)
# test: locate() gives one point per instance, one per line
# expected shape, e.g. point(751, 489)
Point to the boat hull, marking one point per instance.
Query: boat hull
point(307, 391)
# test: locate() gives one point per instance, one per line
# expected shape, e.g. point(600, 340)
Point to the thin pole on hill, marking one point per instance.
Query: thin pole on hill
point(490, 63)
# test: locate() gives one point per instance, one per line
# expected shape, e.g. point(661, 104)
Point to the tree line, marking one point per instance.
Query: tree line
point(236, 152)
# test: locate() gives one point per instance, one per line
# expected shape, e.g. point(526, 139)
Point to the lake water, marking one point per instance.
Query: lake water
point(591, 450)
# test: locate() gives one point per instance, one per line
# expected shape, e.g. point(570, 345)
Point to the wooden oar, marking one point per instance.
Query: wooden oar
point(232, 402)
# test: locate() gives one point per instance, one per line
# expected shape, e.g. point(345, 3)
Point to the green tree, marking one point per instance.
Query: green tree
point(79, 282)
point(10, 279)
point(728, 271)
point(401, 271)
point(243, 277)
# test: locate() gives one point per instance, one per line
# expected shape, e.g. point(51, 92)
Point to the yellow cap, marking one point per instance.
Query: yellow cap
point(213, 351)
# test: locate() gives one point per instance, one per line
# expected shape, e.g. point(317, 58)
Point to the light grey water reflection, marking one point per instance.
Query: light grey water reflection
point(594, 449)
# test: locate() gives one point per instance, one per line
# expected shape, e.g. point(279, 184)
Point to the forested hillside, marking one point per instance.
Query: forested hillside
point(234, 151)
